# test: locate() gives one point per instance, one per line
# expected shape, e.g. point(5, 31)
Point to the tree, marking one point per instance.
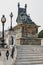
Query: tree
point(40, 35)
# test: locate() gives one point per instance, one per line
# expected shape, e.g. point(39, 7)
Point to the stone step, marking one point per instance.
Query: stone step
point(29, 47)
point(29, 63)
point(31, 50)
point(38, 50)
point(30, 59)
point(29, 53)
point(32, 54)
point(27, 57)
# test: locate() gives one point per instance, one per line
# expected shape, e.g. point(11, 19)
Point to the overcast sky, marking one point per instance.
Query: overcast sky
point(34, 8)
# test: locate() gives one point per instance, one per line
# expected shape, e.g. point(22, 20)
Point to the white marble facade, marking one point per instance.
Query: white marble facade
point(8, 41)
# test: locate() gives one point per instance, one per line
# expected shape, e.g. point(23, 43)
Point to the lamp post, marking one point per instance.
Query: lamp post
point(3, 20)
point(11, 15)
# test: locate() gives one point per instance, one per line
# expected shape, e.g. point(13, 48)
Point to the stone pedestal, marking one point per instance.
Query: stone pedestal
point(27, 34)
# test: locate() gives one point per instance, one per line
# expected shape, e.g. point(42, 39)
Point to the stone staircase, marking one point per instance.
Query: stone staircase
point(29, 55)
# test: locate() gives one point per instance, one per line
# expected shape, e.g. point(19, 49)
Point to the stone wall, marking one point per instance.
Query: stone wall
point(28, 41)
point(41, 41)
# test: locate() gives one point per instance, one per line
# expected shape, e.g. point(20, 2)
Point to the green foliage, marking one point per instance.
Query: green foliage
point(40, 35)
